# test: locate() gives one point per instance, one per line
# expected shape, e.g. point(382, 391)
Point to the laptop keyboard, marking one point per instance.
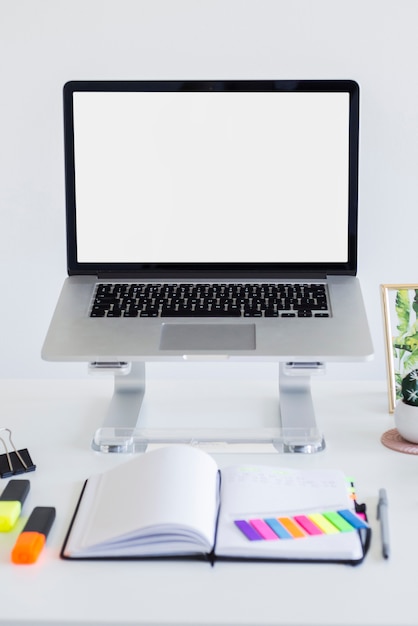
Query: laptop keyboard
point(210, 300)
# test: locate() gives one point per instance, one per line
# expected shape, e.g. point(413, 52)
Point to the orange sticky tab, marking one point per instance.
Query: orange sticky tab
point(292, 527)
point(28, 547)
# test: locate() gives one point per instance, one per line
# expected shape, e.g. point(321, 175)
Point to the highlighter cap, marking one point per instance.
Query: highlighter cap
point(15, 490)
point(40, 520)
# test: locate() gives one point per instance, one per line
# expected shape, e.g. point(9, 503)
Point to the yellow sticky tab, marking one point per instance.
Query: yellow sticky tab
point(323, 523)
point(9, 514)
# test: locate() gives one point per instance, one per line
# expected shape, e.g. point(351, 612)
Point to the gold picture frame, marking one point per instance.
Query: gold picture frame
point(400, 315)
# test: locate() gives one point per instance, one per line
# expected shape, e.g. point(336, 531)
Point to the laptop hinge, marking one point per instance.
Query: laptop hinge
point(211, 276)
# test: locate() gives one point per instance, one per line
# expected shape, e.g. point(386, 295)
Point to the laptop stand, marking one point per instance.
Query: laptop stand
point(297, 431)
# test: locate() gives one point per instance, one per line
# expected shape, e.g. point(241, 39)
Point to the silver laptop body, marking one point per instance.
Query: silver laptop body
point(227, 190)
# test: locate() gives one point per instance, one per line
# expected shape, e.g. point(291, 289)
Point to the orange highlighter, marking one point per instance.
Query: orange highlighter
point(32, 539)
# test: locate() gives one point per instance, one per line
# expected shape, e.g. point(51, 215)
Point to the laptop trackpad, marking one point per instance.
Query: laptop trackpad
point(208, 337)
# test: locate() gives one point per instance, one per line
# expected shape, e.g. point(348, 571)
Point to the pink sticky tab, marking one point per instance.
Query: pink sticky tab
point(308, 525)
point(263, 529)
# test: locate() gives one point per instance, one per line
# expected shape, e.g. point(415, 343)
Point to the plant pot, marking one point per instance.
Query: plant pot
point(406, 421)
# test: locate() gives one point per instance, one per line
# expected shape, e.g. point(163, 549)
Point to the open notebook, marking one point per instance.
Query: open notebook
point(175, 502)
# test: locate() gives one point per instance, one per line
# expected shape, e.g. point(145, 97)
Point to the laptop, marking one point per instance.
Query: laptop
point(211, 220)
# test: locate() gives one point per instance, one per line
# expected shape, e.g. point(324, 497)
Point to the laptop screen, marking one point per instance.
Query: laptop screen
point(213, 175)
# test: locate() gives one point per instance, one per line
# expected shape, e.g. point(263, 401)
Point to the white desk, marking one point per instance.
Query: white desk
point(56, 419)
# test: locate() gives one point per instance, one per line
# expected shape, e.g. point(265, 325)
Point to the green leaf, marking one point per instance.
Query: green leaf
point(402, 307)
point(415, 302)
point(411, 361)
point(411, 341)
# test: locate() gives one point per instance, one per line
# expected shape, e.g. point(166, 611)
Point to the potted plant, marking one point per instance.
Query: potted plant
point(406, 411)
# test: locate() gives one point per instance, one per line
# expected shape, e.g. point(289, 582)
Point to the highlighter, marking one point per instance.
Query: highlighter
point(11, 502)
point(32, 539)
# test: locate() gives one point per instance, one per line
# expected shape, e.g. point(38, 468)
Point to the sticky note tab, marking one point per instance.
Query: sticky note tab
point(308, 525)
point(338, 521)
point(352, 519)
point(263, 529)
point(247, 530)
point(291, 526)
point(278, 528)
point(9, 514)
point(324, 524)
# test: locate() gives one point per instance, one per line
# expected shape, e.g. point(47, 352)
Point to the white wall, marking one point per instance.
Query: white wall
point(44, 43)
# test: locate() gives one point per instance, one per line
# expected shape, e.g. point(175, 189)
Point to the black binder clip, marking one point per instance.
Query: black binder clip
point(15, 461)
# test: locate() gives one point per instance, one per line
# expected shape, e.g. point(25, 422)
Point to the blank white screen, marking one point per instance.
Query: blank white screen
point(201, 177)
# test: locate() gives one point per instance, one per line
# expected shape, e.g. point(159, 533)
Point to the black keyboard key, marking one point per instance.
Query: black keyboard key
point(270, 312)
point(131, 313)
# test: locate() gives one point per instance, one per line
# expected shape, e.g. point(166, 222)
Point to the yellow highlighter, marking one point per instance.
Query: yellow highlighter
point(11, 502)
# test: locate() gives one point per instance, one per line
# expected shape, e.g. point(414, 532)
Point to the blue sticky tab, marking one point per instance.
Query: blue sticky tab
point(352, 519)
point(278, 528)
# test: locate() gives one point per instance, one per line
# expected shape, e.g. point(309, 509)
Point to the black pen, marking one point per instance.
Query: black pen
point(382, 516)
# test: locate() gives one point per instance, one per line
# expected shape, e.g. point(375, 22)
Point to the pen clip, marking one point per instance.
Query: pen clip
point(382, 516)
point(382, 501)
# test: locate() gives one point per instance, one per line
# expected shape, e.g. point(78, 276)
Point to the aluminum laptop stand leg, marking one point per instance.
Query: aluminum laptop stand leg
point(297, 431)
point(297, 415)
point(122, 415)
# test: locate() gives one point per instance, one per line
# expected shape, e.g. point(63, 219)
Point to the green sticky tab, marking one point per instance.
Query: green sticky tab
point(9, 514)
point(351, 485)
point(338, 521)
point(324, 524)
